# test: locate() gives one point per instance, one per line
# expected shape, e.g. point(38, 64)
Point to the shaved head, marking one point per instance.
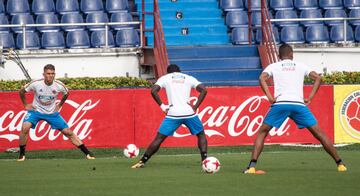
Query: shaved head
point(286, 52)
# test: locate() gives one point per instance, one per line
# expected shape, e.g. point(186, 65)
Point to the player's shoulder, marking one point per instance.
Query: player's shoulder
point(59, 83)
point(34, 82)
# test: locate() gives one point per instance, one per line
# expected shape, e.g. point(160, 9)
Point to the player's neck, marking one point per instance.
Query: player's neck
point(49, 83)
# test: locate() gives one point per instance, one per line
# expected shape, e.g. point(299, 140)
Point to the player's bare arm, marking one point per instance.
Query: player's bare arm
point(317, 81)
point(27, 106)
point(62, 101)
point(265, 88)
point(202, 90)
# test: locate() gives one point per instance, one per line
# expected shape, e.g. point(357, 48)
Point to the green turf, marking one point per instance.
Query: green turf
point(290, 171)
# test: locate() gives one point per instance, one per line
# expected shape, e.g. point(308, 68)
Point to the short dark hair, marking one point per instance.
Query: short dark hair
point(173, 68)
point(49, 66)
point(285, 50)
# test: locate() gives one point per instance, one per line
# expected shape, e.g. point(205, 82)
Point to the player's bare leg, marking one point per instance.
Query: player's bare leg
point(77, 142)
point(151, 150)
point(202, 144)
point(23, 139)
point(320, 135)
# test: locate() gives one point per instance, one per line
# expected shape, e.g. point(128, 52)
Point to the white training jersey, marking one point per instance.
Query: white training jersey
point(44, 95)
point(178, 87)
point(288, 78)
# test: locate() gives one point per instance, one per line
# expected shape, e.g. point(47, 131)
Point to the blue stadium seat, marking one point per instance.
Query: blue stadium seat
point(281, 4)
point(88, 6)
point(292, 35)
point(335, 13)
point(32, 40)
point(256, 18)
point(67, 6)
point(72, 18)
point(352, 4)
point(42, 6)
point(229, 5)
point(258, 37)
point(4, 21)
point(255, 5)
point(17, 6)
point(77, 39)
point(121, 17)
point(286, 14)
point(354, 13)
point(317, 34)
point(127, 38)
point(337, 34)
point(357, 34)
point(311, 13)
point(22, 19)
point(237, 18)
point(306, 4)
point(98, 39)
point(48, 18)
point(116, 6)
point(2, 7)
point(331, 4)
point(7, 40)
point(240, 35)
point(96, 17)
point(53, 40)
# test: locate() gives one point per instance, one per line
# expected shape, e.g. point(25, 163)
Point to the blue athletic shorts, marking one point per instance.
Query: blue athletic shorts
point(300, 114)
point(169, 125)
point(54, 119)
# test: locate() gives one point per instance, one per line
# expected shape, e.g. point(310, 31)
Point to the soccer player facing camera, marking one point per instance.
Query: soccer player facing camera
point(288, 101)
point(179, 111)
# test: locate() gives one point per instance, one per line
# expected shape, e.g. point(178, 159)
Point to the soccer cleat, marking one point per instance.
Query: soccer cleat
point(252, 170)
point(21, 158)
point(90, 157)
point(341, 168)
point(139, 164)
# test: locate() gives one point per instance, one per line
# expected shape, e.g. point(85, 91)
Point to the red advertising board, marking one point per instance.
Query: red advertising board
point(115, 118)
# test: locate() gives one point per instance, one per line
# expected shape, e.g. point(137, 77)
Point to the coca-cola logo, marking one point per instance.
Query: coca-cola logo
point(350, 114)
point(81, 126)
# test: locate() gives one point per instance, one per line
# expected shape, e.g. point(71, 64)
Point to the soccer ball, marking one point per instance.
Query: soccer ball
point(211, 165)
point(131, 151)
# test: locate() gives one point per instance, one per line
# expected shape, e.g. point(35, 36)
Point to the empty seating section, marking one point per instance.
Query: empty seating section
point(59, 12)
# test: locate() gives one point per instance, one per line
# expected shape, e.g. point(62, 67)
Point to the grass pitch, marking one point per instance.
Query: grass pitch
point(290, 171)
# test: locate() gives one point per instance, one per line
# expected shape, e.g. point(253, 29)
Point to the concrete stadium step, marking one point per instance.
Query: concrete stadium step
point(192, 40)
point(226, 75)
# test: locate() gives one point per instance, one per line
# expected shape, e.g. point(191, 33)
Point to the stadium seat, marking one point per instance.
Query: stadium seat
point(2, 7)
point(98, 39)
point(354, 13)
point(255, 5)
point(306, 4)
point(331, 4)
point(256, 18)
point(121, 17)
point(97, 17)
point(335, 13)
point(77, 39)
point(352, 4)
point(311, 13)
point(286, 14)
point(317, 34)
point(281, 4)
point(48, 18)
point(116, 6)
point(72, 18)
point(229, 5)
point(237, 18)
point(4, 21)
point(127, 38)
point(53, 40)
point(240, 35)
point(17, 6)
point(42, 6)
point(7, 40)
point(258, 37)
point(357, 34)
point(292, 35)
point(32, 40)
point(88, 6)
point(337, 34)
point(67, 6)
point(22, 19)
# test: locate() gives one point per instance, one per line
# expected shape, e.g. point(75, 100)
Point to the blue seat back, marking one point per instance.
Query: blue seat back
point(256, 18)
point(292, 35)
point(331, 4)
point(127, 38)
point(42, 6)
point(97, 17)
point(306, 4)
point(255, 5)
point(22, 19)
point(354, 13)
point(4, 21)
point(53, 40)
point(352, 4)
point(7, 40)
point(258, 36)
point(17, 6)
point(2, 7)
point(240, 35)
point(67, 6)
point(317, 34)
point(32, 40)
point(121, 17)
point(311, 13)
point(286, 14)
point(116, 5)
point(335, 13)
point(229, 5)
point(237, 18)
point(72, 18)
point(48, 18)
point(98, 39)
point(281, 4)
point(77, 39)
point(337, 34)
point(357, 34)
point(88, 6)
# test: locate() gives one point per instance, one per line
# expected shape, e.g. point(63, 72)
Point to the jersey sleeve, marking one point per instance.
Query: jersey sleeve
point(30, 86)
point(194, 82)
point(61, 87)
point(161, 82)
point(269, 70)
